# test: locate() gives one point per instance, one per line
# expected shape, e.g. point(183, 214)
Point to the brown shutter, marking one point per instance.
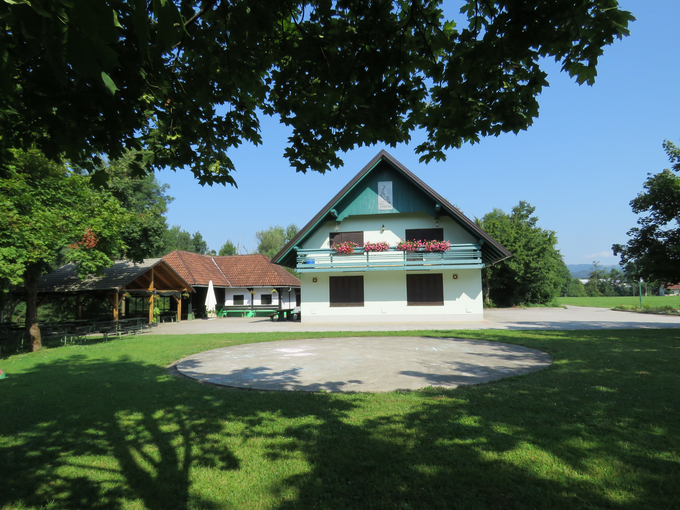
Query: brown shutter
point(346, 290)
point(424, 289)
point(425, 234)
point(341, 237)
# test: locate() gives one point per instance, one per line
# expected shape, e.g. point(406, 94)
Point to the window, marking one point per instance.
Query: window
point(424, 289)
point(346, 290)
point(265, 299)
point(238, 300)
point(425, 234)
point(342, 237)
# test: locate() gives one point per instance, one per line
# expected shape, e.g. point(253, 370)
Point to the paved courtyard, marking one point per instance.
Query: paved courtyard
point(369, 364)
point(573, 317)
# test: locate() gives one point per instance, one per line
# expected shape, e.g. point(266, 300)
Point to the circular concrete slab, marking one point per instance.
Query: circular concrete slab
point(362, 364)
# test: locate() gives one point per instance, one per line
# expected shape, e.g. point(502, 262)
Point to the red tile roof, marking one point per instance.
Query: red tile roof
point(255, 271)
point(230, 271)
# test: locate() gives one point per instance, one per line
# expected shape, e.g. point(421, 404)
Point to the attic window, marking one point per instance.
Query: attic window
point(385, 196)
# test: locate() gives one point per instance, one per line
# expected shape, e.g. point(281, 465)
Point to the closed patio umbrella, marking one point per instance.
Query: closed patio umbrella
point(210, 300)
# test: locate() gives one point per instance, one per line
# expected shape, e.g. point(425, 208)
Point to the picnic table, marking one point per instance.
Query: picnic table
point(287, 314)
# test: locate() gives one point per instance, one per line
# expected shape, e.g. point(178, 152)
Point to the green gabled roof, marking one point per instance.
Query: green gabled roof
point(359, 197)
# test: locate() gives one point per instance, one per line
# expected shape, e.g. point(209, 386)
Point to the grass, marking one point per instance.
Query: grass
point(627, 302)
point(105, 426)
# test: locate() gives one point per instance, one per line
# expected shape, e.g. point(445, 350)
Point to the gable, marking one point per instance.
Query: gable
point(360, 197)
point(399, 195)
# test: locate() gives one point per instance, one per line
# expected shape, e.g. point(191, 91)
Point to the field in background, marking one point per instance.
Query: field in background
point(613, 302)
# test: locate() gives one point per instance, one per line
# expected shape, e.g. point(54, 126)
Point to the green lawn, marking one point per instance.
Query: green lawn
point(612, 302)
point(105, 426)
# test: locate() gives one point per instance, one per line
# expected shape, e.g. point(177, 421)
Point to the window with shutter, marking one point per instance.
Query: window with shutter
point(341, 237)
point(346, 290)
point(425, 234)
point(424, 289)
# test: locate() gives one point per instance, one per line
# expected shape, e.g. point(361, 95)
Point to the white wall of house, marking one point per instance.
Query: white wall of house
point(395, 229)
point(385, 298)
point(237, 291)
point(385, 291)
point(287, 298)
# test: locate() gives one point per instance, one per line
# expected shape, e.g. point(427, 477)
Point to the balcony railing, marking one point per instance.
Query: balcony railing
point(459, 256)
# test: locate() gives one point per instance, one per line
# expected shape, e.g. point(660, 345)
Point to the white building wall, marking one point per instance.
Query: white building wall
point(385, 291)
point(287, 298)
point(385, 298)
point(231, 292)
point(395, 229)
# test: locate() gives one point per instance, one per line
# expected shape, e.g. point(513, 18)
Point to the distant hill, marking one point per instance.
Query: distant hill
point(583, 270)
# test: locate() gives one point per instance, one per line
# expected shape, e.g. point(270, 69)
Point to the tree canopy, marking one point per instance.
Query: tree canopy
point(535, 272)
point(47, 212)
point(176, 238)
point(228, 248)
point(653, 250)
point(146, 198)
point(188, 80)
point(273, 239)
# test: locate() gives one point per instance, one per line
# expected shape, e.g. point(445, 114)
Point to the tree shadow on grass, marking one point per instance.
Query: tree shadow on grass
point(97, 434)
point(596, 430)
point(586, 433)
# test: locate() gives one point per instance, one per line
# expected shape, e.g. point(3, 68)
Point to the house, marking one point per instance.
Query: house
point(670, 290)
point(383, 205)
point(244, 284)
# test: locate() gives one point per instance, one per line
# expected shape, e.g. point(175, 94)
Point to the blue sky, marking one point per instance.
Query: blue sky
point(583, 160)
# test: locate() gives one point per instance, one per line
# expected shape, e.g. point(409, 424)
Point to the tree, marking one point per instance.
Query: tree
point(228, 248)
point(532, 275)
point(653, 250)
point(176, 238)
point(574, 289)
point(143, 196)
point(45, 210)
point(188, 80)
point(200, 246)
point(274, 238)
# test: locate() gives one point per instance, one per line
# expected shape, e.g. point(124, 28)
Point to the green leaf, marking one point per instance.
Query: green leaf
point(108, 82)
point(116, 23)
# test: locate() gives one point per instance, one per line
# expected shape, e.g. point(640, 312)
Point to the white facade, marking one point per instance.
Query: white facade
point(385, 291)
point(387, 203)
point(385, 299)
point(255, 297)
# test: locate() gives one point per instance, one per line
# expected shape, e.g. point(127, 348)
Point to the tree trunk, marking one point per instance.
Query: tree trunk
point(486, 287)
point(32, 328)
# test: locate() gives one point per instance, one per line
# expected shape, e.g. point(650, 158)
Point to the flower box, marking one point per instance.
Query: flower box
point(424, 246)
point(346, 248)
point(379, 246)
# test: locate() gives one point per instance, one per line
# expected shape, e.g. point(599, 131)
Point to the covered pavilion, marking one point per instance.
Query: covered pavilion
point(151, 278)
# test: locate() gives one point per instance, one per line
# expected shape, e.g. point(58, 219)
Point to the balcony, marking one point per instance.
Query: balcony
point(459, 256)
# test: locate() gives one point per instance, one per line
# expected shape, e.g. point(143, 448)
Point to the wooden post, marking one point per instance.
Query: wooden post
point(151, 309)
point(115, 306)
point(179, 306)
point(151, 288)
